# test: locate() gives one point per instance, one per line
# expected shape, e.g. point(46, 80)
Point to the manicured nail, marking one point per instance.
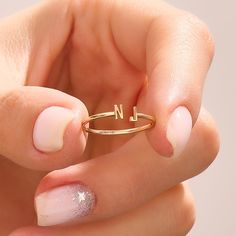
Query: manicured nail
point(50, 127)
point(64, 204)
point(179, 129)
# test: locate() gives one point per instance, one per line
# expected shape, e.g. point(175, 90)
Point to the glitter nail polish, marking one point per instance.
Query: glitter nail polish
point(64, 204)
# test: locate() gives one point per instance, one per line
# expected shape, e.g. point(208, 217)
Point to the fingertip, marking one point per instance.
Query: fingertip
point(170, 137)
point(58, 136)
point(41, 128)
point(50, 127)
point(210, 135)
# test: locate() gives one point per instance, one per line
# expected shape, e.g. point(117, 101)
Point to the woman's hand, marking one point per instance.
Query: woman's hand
point(102, 53)
point(131, 185)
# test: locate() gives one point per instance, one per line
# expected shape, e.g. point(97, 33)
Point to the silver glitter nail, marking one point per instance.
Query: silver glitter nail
point(84, 199)
point(64, 204)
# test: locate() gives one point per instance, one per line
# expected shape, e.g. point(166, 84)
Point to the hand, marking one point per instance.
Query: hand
point(91, 50)
point(121, 187)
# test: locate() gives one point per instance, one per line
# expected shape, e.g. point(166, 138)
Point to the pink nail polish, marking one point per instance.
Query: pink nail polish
point(179, 129)
point(64, 204)
point(50, 127)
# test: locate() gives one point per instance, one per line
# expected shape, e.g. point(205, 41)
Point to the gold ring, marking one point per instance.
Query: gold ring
point(118, 113)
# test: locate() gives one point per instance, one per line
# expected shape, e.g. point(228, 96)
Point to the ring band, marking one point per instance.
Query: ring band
point(117, 113)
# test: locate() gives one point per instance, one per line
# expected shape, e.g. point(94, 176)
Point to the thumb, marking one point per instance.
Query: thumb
point(40, 128)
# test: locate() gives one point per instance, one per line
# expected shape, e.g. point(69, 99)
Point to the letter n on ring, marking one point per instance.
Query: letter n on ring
point(119, 112)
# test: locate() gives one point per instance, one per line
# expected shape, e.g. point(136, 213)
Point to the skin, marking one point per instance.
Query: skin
point(88, 56)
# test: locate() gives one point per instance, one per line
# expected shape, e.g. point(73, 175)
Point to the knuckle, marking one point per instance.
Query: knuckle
point(10, 105)
point(10, 100)
point(197, 30)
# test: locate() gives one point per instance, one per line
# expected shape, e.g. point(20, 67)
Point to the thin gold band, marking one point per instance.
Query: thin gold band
point(118, 132)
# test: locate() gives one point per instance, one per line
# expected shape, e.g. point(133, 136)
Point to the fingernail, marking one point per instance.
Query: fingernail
point(50, 127)
point(64, 204)
point(179, 129)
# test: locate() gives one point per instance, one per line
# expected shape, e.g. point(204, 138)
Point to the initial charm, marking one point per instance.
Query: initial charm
point(119, 113)
point(134, 118)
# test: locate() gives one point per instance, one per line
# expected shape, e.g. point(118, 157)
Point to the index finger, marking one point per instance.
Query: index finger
point(175, 50)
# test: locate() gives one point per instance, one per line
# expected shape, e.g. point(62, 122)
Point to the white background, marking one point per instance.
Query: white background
point(214, 190)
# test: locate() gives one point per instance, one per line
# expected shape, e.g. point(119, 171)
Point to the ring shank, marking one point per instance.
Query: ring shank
point(118, 132)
